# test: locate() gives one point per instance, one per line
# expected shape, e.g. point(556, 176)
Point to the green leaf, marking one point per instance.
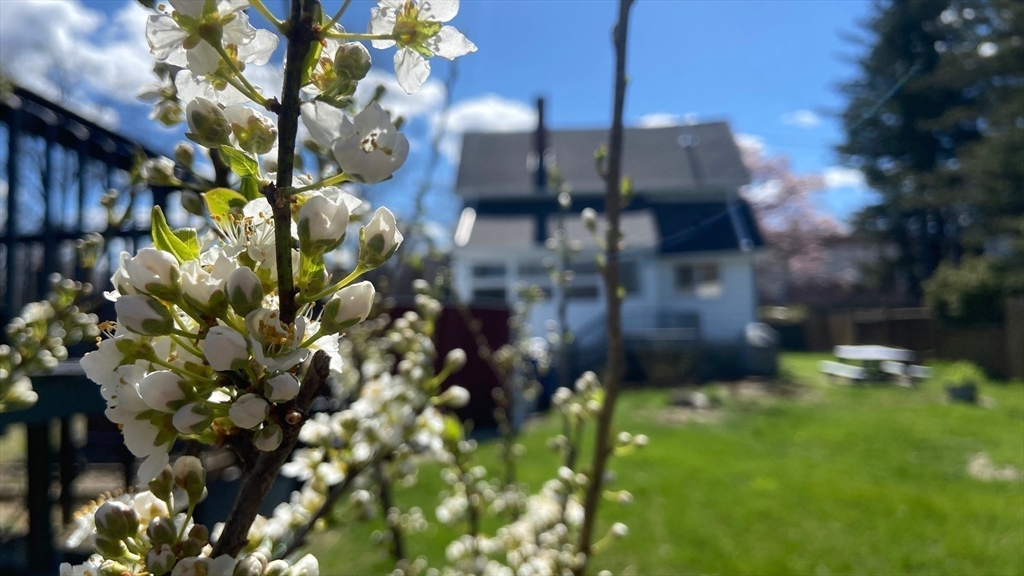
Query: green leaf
point(312, 57)
point(221, 201)
point(165, 239)
point(250, 188)
point(240, 163)
point(190, 239)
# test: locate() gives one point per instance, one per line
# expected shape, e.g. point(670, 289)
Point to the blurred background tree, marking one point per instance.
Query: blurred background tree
point(935, 120)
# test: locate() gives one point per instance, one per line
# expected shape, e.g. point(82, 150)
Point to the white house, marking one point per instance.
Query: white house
point(689, 238)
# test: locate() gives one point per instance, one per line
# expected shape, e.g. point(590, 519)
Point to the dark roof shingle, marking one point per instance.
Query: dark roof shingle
point(494, 165)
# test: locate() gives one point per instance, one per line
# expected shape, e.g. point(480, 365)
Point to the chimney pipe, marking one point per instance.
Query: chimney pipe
point(540, 146)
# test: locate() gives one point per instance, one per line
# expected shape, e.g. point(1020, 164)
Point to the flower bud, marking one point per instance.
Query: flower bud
point(379, 239)
point(200, 532)
point(193, 203)
point(245, 292)
point(159, 172)
point(455, 397)
point(249, 411)
point(185, 154)
point(192, 418)
point(306, 566)
point(352, 61)
point(161, 530)
point(322, 224)
point(160, 559)
point(153, 272)
point(282, 388)
point(589, 218)
point(254, 132)
point(116, 520)
point(207, 125)
point(160, 389)
point(190, 548)
point(225, 349)
point(143, 315)
point(276, 568)
point(161, 485)
point(190, 476)
point(109, 547)
point(455, 360)
point(619, 530)
point(349, 306)
point(421, 286)
point(249, 566)
point(269, 437)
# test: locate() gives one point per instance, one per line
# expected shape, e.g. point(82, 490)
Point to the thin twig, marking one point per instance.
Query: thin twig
point(616, 359)
point(386, 504)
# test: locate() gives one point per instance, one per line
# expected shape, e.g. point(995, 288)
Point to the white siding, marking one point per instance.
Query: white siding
point(722, 318)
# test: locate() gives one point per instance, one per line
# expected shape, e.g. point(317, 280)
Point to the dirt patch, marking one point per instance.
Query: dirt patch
point(678, 415)
point(983, 468)
point(707, 405)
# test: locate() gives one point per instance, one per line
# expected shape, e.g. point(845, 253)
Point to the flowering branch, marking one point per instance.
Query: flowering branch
point(257, 482)
point(616, 357)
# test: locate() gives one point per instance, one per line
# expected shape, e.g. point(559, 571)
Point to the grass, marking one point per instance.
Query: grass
point(865, 480)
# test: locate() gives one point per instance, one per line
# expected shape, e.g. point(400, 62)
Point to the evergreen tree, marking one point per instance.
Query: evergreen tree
point(932, 122)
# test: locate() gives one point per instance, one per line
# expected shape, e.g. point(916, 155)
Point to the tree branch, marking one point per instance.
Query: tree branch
point(261, 476)
point(300, 37)
point(616, 356)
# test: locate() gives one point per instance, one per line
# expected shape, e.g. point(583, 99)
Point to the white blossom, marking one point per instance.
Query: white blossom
point(225, 349)
point(368, 148)
point(282, 388)
point(350, 305)
point(160, 389)
point(249, 411)
point(419, 33)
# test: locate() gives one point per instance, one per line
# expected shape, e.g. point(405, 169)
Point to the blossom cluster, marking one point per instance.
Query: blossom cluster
point(391, 414)
point(152, 532)
point(37, 339)
point(545, 537)
point(199, 349)
point(216, 328)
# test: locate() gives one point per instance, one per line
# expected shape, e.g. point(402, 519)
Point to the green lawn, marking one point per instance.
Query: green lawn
point(865, 480)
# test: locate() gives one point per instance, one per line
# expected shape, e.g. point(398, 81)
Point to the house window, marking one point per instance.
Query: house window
point(684, 275)
point(585, 292)
point(536, 274)
point(488, 270)
point(702, 280)
point(708, 283)
point(489, 294)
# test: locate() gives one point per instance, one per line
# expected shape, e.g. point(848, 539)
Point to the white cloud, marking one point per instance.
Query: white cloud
point(750, 143)
point(805, 119)
point(664, 119)
point(65, 51)
point(487, 113)
point(658, 120)
point(842, 177)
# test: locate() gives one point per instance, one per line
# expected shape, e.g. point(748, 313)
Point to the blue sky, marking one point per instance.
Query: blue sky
point(768, 67)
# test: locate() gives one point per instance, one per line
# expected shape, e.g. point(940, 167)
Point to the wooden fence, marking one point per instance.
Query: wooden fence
point(997, 349)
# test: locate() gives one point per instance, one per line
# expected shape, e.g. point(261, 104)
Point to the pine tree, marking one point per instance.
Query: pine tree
point(931, 121)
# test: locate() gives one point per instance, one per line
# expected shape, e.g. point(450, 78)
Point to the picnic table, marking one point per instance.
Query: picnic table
point(874, 363)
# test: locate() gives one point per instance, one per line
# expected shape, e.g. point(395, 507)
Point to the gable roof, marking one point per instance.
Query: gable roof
point(496, 165)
